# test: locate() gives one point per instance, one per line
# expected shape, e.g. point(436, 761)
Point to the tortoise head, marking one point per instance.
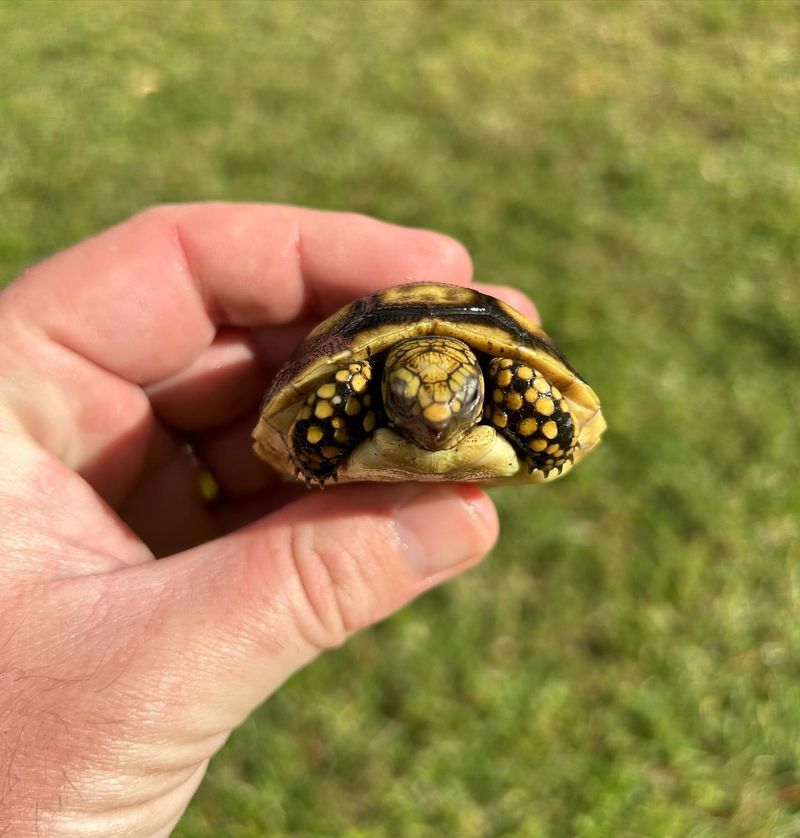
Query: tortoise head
point(432, 390)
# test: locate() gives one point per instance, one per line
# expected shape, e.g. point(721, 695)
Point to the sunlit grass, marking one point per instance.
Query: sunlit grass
point(627, 662)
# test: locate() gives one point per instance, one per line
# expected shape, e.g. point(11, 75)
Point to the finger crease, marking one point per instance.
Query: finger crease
point(209, 303)
point(310, 304)
point(330, 629)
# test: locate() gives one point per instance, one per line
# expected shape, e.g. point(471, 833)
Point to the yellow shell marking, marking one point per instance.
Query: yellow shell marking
point(327, 391)
point(545, 406)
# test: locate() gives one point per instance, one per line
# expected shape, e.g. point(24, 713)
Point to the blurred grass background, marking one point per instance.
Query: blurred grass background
point(627, 662)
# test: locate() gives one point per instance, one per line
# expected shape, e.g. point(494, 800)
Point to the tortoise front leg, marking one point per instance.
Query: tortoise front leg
point(531, 413)
point(335, 418)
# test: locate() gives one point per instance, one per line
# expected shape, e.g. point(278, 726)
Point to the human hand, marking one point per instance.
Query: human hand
point(121, 676)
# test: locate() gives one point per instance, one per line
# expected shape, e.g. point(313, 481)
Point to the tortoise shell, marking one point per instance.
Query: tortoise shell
point(331, 412)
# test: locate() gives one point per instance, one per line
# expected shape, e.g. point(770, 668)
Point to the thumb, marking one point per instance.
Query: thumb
point(239, 615)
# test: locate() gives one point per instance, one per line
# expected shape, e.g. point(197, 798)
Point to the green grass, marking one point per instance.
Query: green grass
point(628, 662)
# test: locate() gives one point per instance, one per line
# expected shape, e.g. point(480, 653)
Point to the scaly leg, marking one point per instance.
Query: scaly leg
point(531, 413)
point(335, 418)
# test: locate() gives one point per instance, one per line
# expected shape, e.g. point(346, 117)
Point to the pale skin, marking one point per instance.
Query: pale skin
point(121, 676)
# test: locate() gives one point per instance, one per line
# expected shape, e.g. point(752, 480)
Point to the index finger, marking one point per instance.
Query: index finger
point(145, 298)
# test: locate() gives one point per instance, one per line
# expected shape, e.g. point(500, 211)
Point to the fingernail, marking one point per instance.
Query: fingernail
point(444, 527)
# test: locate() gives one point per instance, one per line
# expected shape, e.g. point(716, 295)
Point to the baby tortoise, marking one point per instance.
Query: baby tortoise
point(427, 382)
